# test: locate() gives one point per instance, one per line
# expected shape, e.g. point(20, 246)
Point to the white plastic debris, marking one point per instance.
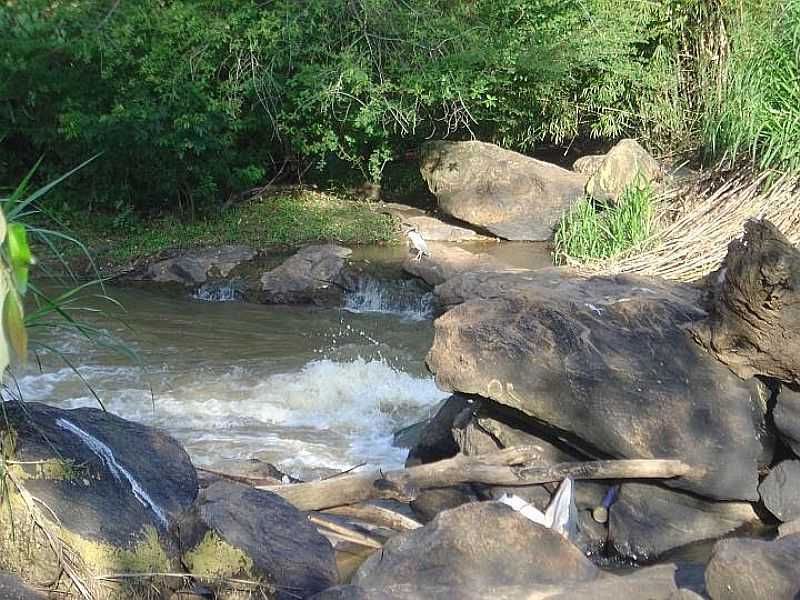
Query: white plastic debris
point(561, 514)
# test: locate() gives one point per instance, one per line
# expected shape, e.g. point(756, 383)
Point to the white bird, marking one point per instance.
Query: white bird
point(418, 243)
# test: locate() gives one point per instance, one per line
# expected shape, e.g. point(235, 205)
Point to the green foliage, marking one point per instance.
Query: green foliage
point(194, 100)
point(755, 111)
point(585, 234)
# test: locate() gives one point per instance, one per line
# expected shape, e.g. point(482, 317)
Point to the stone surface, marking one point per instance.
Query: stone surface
point(243, 533)
point(430, 228)
point(626, 164)
point(198, 266)
point(435, 441)
point(607, 361)
point(13, 588)
point(789, 528)
point(114, 491)
point(648, 520)
point(753, 324)
point(745, 569)
point(447, 261)
point(308, 277)
point(780, 491)
point(430, 503)
point(589, 164)
point(475, 547)
point(786, 416)
point(513, 196)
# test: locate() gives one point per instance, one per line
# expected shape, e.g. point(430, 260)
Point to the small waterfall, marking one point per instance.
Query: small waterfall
point(403, 297)
point(219, 291)
point(107, 456)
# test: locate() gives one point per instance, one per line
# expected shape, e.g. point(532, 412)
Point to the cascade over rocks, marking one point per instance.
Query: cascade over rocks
point(309, 277)
point(648, 520)
point(753, 325)
point(238, 532)
point(512, 196)
point(606, 361)
point(116, 490)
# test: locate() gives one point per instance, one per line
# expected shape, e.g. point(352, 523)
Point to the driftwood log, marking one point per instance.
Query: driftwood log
point(510, 467)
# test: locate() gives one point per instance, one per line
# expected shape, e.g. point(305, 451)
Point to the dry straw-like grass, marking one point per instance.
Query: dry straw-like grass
point(697, 225)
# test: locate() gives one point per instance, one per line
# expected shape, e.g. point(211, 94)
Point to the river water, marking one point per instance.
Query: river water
point(313, 391)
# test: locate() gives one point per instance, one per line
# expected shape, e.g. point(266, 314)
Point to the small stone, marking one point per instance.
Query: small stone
point(780, 491)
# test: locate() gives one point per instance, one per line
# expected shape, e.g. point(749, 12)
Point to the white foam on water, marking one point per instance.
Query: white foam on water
point(107, 456)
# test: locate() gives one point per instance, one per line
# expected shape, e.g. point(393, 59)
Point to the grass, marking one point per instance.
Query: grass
point(586, 234)
point(276, 220)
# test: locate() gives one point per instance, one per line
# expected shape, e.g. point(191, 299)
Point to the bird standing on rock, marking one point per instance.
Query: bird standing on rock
point(418, 243)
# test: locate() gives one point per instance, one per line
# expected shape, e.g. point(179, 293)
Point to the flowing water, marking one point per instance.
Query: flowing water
point(312, 391)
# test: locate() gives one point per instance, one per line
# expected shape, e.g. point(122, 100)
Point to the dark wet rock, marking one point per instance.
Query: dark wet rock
point(786, 416)
point(627, 163)
point(308, 277)
point(447, 261)
point(475, 547)
point(13, 588)
point(589, 164)
point(745, 569)
point(430, 228)
point(648, 520)
point(196, 267)
point(753, 324)
point(780, 491)
point(240, 532)
point(254, 470)
point(114, 491)
point(513, 196)
point(606, 361)
point(430, 503)
point(436, 441)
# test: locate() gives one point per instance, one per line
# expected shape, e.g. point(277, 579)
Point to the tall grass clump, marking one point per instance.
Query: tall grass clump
point(588, 233)
point(755, 110)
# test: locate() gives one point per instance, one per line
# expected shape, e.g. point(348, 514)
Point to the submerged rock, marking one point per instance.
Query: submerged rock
point(753, 324)
point(239, 532)
point(626, 164)
point(744, 569)
point(196, 267)
point(605, 360)
point(474, 549)
point(513, 196)
point(308, 277)
point(647, 520)
point(114, 491)
point(780, 491)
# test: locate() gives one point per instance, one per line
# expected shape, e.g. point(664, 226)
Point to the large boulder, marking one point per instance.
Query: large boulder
point(648, 520)
point(513, 196)
point(744, 569)
point(753, 324)
point(607, 360)
point(309, 277)
point(780, 491)
point(472, 549)
point(112, 491)
point(626, 164)
point(196, 267)
point(240, 533)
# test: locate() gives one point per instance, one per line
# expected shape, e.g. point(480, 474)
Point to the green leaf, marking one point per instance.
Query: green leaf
point(14, 325)
point(19, 255)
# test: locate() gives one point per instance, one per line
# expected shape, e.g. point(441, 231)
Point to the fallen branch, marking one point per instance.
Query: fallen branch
point(376, 515)
point(510, 467)
point(345, 532)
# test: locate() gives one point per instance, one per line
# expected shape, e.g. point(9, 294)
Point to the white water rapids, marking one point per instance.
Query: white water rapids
point(312, 391)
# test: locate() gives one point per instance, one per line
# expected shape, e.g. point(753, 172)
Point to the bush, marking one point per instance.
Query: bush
point(192, 101)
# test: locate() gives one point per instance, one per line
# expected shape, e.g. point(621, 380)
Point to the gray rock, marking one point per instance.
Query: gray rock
point(446, 261)
point(744, 569)
point(626, 164)
point(196, 267)
point(243, 533)
point(430, 503)
point(789, 528)
point(430, 228)
point(435, 441)
point(473, 548)
point(659, 582)
point(786, 416)
point(606, 360)
point(648, 520)
point(115, 491)
point(13, 588)
point(513, 196)
point(589, 164)
point(308, 277)
point(780, 491)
